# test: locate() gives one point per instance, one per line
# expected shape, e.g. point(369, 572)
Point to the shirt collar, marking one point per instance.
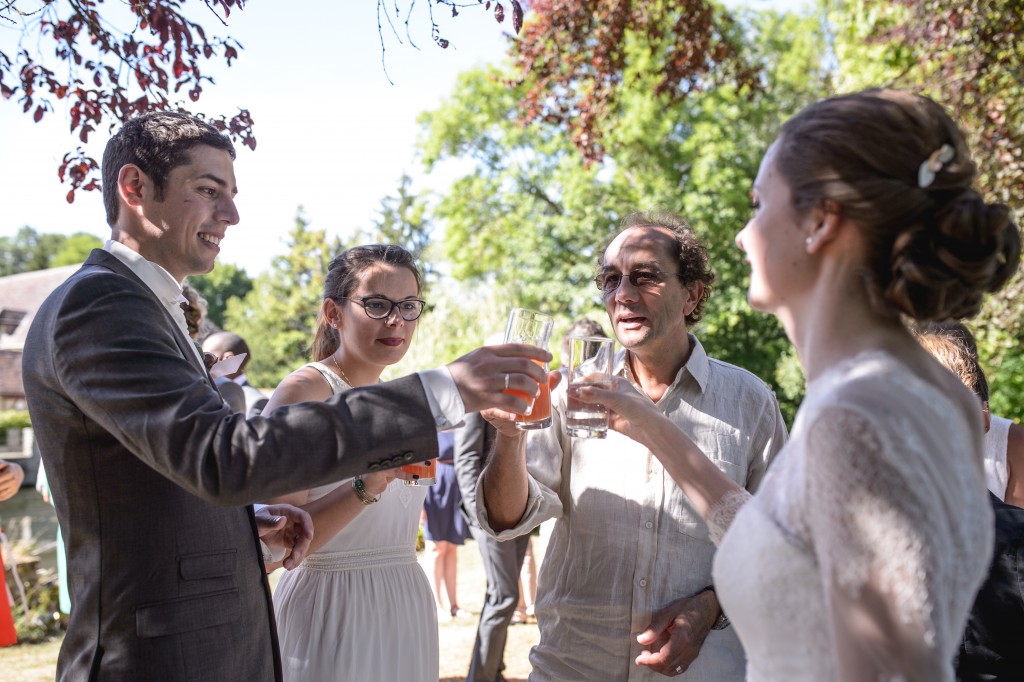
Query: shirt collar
point(697, 365)
point(161, 283)
point(155, 277)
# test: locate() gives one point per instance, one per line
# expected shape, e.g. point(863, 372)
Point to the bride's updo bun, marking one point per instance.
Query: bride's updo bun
point(935, 246)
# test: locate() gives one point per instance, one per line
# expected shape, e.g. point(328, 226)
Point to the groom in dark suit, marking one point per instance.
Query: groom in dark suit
point(152, 474)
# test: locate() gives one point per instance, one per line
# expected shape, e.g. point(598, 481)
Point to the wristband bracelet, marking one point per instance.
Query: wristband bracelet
point(357, 485)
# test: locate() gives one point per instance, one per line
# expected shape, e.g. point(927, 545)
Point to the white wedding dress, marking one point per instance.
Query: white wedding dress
point(864, 546)
point(360, 608)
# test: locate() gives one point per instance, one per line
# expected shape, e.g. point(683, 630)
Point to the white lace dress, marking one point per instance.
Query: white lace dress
point(863, 548)
point(360, 608)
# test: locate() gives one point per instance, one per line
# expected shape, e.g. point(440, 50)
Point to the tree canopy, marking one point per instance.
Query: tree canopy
point(227, 281)
point(30, 250)
point(531, 215)
point(575, 57)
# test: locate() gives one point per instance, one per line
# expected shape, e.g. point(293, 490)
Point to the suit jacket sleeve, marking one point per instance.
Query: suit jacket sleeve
point(107, 346)
point(470, 456)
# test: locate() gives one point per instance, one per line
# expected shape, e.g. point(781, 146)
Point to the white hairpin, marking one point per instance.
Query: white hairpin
point(933, 164)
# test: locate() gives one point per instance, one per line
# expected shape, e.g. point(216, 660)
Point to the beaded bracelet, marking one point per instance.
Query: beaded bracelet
point(357, 485)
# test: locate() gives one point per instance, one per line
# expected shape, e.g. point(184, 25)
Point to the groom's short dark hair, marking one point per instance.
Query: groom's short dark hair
point(157, 142)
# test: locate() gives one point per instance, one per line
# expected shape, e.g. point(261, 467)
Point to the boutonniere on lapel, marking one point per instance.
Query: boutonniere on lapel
point(209, 359)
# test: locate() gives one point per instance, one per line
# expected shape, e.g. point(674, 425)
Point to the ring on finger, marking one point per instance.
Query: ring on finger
point(506, 380)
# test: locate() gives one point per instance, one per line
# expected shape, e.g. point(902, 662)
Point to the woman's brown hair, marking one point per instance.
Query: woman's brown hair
point(934, 251)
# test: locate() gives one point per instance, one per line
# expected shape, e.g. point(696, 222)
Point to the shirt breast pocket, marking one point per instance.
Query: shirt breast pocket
point(689, 521)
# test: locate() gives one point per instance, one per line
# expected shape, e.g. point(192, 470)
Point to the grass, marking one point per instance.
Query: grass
point(37, 662)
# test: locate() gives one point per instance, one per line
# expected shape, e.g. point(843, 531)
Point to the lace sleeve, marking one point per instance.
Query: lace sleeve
point(874, 539)
point(722, 513)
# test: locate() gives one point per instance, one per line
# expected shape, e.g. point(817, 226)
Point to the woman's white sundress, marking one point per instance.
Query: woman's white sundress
point(360, 608)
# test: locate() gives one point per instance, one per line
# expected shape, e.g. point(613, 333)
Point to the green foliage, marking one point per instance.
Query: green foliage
point(402, 219)
point(278, 316)
point(1000, 351)
point(528, 202)
point(75, 249)
point(29, 250)
point(14, 419)
point(224, 283)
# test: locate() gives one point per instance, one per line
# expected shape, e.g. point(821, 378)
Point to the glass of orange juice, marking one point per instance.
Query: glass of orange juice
point(421, 473)
point(534, 328)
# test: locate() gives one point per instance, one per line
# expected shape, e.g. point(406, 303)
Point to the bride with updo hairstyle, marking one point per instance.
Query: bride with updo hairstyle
point(859, 556)
point(936, 246)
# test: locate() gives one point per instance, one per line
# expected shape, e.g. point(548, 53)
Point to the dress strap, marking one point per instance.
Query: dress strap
point(336, 383)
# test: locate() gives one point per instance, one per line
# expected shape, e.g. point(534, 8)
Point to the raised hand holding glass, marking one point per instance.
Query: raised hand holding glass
point(534, 328)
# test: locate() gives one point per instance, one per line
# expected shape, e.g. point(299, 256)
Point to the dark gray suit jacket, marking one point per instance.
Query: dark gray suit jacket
point(150, 471)
point(474, 442)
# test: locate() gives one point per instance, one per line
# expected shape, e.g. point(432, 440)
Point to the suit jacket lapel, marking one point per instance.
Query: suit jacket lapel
point(103, 259)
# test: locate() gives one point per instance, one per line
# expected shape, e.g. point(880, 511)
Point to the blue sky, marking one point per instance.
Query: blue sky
point(333, 134)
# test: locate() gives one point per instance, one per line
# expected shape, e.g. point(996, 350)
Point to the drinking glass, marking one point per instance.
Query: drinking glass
point(421, 473)
point(534, 328)
point(590, 364)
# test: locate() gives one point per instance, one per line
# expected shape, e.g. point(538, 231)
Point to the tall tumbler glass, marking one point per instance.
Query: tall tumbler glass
point(590, 364)
point(534, 328)
point(423, 473)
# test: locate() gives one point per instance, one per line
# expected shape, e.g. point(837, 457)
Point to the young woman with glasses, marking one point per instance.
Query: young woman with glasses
point(359, 607)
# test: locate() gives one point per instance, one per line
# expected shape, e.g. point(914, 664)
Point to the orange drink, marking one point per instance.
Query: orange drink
point(538, 415)
point(421, 473)
point(534, 328)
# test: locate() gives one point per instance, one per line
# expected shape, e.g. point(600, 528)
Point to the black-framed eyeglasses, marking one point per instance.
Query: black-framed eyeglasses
point(379, 307)
point(608, 281)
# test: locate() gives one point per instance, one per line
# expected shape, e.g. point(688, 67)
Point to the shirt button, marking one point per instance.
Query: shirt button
point(643, 582)
point(648, 525)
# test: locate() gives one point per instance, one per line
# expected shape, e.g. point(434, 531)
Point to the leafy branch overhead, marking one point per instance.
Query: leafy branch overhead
point(384, 17)
point(969, 55)
point(109, 64)
point(574, 58)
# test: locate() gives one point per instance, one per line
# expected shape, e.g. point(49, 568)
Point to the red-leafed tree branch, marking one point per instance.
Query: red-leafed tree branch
point(970, 55)
point(574, 56)
point(73, 51)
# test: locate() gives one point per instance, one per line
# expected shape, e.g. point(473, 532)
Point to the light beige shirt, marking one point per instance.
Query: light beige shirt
point(627, 540)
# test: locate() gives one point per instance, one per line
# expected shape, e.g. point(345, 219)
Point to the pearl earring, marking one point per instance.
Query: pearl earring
point(808, 241)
